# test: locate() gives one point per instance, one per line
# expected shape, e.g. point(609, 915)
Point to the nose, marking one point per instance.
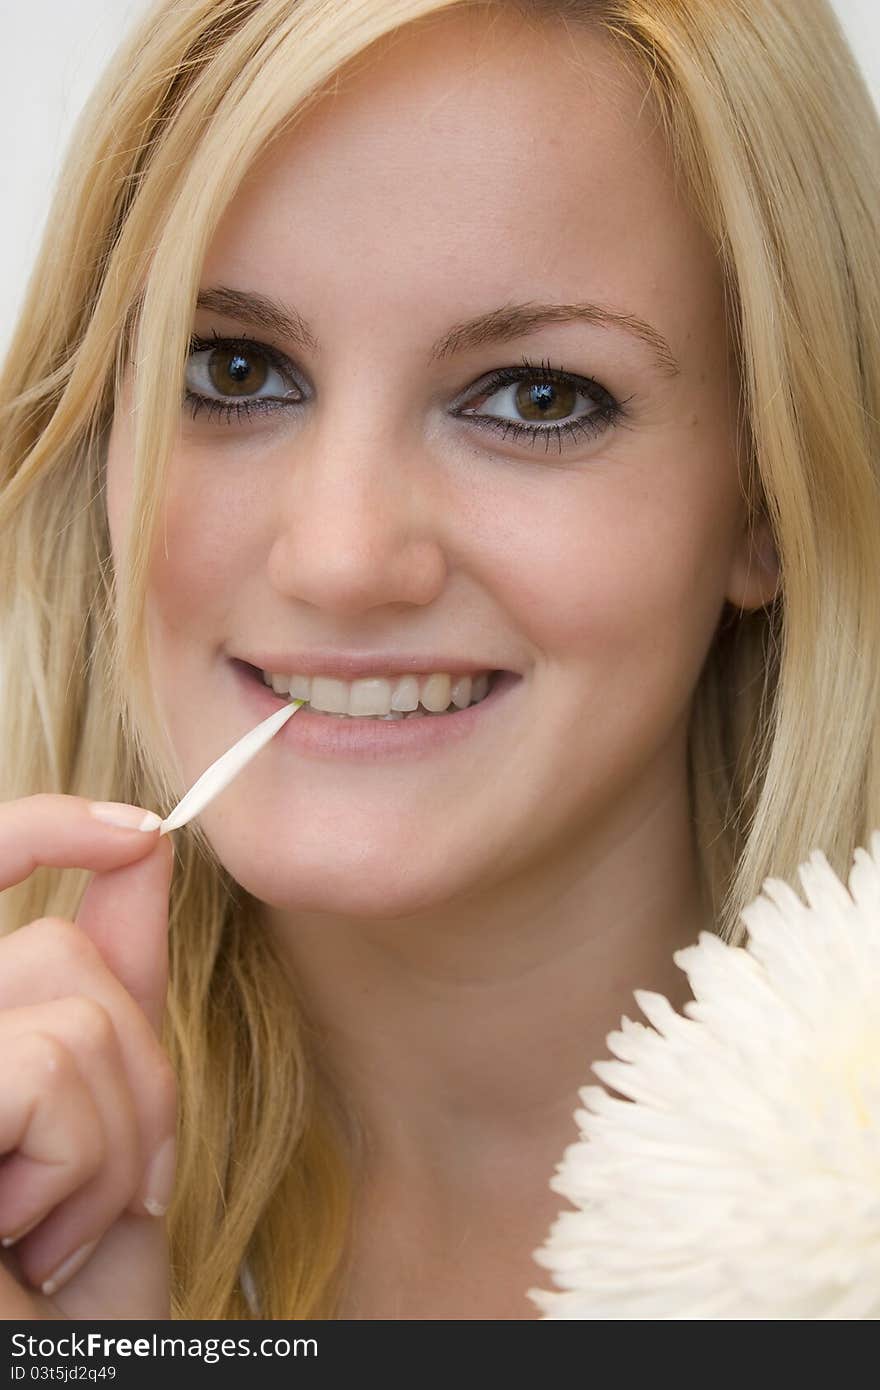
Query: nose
point(358, 524)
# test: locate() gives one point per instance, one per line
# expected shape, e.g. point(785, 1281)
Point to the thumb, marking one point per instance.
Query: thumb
point(124, 912)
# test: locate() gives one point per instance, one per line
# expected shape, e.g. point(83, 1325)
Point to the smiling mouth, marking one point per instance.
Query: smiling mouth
point(480, 690)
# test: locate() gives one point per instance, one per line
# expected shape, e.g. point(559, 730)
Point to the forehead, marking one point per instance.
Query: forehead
point(487, 158)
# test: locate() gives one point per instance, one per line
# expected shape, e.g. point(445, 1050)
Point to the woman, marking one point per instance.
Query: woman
point(319, 278)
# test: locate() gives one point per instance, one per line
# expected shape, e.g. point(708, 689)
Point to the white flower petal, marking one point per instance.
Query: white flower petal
point(741, 1178)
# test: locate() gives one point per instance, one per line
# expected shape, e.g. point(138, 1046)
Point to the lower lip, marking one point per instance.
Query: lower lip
point(319, 735)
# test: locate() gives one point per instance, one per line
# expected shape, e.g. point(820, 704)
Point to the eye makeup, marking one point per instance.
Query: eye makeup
point(241, 355)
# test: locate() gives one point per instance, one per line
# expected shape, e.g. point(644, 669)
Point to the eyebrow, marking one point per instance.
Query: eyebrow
point(495, 326)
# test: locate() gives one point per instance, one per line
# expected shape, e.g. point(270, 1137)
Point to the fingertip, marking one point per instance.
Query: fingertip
point(124, 817)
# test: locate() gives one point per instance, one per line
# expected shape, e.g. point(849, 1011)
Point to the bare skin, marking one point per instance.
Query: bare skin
point(467, 927)
point(87, 1105)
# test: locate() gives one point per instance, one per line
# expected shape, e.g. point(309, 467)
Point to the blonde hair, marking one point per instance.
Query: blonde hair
point(776, 140)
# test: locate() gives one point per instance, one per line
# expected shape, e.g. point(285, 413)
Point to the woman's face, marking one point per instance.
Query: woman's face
point(364, 513)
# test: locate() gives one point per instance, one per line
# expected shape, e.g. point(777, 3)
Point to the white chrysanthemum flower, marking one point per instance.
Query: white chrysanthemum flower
point(741, 1179)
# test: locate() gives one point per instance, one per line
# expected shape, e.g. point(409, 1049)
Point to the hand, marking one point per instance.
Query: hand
point(87, 1094)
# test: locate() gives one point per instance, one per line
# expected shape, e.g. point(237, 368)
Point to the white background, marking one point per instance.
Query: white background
point(52, 53)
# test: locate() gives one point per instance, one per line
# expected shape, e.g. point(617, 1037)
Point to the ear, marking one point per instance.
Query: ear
point(754, 576)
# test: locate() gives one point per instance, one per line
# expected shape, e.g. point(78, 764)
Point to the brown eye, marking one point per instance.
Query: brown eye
point(543, 395)
point(234, 378)
point(236, 371)
point(545, 400)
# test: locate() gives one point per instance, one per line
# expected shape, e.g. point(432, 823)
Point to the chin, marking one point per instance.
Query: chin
point(382, 879)
point(380, 901)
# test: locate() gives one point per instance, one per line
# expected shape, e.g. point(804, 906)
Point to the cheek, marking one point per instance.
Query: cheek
point(206, 552)
point(621, 567)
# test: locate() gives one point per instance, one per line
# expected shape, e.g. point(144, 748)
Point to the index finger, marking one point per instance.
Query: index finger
point(60, 832)
point(124, 910)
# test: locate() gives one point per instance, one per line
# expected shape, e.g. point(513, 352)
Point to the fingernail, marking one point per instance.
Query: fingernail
point(159, 1183)
point(21, 1232)
point(67, 1268)
point(127, 817)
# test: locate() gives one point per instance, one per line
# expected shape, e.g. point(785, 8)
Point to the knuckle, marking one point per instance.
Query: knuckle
point(51, 1060)
point(57, 1081)
point(64, 941)
point(92, 1025)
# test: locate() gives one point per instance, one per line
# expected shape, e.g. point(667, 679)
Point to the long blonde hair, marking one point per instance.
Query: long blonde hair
point(777, 143)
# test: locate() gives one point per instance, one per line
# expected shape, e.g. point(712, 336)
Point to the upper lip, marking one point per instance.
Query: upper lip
point(350, 666)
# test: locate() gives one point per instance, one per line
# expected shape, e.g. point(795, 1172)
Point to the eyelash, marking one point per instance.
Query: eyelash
point(609, 411)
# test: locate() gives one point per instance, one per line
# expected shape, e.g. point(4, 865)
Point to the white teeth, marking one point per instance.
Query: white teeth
point(405, 695)
point(378, 697)
point(480, 688)
point(435, 693)
point(369, 696)
point(329, 695)
point(461, 692)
